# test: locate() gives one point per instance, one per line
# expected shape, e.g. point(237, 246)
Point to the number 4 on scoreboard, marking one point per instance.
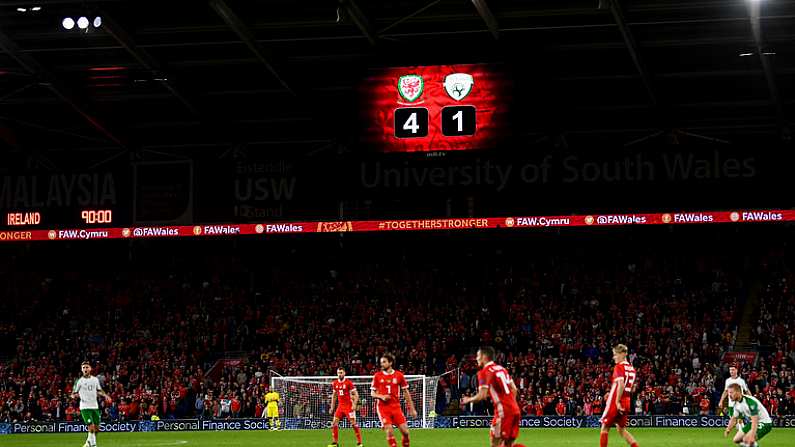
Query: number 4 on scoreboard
point(411, 122)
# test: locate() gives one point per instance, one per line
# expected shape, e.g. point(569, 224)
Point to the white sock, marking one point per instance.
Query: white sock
point(88, 438)
point(92, 439)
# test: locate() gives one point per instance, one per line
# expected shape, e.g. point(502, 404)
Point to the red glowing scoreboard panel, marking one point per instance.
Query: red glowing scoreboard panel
point(435, 108)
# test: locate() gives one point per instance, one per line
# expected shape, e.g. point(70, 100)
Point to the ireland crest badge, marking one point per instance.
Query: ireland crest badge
point(459, 85)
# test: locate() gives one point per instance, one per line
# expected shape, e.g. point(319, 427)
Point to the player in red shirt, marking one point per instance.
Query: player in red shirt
point(344, 391)
point(618, 401)
point(495, 382)
point(386, 387)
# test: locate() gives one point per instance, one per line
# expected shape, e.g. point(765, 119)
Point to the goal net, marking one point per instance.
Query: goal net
point(306, 401)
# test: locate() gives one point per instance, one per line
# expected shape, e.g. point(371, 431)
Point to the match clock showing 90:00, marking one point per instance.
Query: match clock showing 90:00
point(92, 217)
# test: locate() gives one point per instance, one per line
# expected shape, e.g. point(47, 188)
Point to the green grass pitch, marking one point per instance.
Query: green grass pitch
point(653, 437)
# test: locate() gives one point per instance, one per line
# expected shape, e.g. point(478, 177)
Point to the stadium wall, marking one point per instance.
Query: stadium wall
point(310, 424)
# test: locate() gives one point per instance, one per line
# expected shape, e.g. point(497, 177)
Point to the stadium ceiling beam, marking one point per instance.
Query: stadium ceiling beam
point(359, 19)
point(767, 67)
point(408, 17)
point(244, 33)
point(112, 28)
point(47, 79)
point(632, 47)
point(485, 13)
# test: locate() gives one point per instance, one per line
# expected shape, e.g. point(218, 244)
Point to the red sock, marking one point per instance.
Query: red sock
point(405, 440)
point(392, 441)
point(603, 440)
point(634, 444)
point(335, 434)
point(358, 432)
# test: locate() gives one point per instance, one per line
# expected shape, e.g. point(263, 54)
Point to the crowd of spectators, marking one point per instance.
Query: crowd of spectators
point(773, 380)
point(200, 335)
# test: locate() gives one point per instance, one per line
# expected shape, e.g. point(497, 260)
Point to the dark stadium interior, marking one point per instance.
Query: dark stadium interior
point(637, 190)
point(196, 76)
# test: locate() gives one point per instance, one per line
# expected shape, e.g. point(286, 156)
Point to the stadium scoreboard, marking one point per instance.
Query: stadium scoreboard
point(435, 108)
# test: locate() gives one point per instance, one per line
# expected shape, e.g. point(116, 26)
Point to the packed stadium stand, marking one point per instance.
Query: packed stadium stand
point(199, 332)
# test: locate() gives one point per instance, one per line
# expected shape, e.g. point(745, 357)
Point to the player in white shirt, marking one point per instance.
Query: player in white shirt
point(734, 377)
point(87, 388)
point(758, 420)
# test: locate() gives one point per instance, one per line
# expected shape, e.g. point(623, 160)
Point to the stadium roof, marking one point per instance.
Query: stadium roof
point(184, 76)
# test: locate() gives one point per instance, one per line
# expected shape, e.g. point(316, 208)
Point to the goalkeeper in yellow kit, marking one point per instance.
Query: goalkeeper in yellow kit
point(272, 409)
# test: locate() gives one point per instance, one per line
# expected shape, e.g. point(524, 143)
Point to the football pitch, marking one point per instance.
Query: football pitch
point(654, 437)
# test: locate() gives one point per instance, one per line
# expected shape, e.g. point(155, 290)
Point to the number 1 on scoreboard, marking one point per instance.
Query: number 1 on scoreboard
point(459, 121)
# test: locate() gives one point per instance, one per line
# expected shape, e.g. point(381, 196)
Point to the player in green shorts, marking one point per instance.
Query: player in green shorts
point(750, 409)
point(88, 388)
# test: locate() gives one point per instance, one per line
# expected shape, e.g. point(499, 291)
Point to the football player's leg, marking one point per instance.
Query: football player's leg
point(386, 425)
point(273, 413)
point(510, 430)
point(738, 437)
point(356, 430)
point(404, 432)
point(335, 430)
point(390, 435)
point(496, 432)
point(96, 430)
point(603, 434)
point(608, 420)
point(92, 438)
point(621, 428)
point(399, 419)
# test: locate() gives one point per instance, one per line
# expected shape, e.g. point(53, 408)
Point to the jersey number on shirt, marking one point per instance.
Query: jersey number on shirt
point(342, 392)
point(630, 381)
point(505, 380)
point(389, 389)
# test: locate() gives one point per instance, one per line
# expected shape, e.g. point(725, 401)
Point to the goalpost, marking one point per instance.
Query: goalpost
point(306, 400)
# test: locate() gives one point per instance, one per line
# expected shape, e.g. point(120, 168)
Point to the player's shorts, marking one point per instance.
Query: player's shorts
point(612, 417)
point(506, 427)
point(90, 416)
point(345, 413)
point(390, 415)
point(273, 411)
point(761, 431)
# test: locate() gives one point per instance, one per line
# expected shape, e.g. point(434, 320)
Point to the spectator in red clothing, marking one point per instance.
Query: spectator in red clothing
point(71, 413)
point(235, 407)
point(773, 406)
point(704, 405)
point(151, 411)
point(597, 407)
point(560, 408)
point(124, 410)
